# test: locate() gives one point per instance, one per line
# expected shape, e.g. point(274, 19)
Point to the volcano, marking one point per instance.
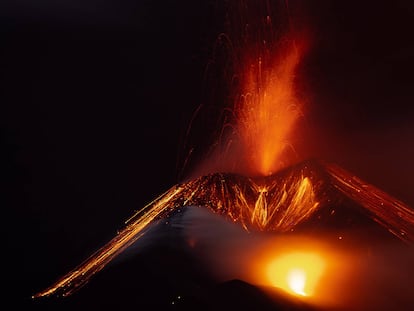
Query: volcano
point(311, 197)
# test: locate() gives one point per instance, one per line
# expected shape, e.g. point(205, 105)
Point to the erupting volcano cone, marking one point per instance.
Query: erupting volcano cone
point(309, 197)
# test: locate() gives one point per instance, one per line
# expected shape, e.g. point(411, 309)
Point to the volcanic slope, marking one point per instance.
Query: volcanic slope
point(309, 197)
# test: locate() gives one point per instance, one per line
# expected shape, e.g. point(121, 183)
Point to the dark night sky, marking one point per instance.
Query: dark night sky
point(96, 99)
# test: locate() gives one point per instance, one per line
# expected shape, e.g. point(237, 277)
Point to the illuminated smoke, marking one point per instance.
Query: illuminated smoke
point(298, 273)
point(361, 271)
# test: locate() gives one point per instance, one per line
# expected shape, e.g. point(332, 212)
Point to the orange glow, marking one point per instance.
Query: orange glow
point(306, 267)
point(296, 273)
point(269, 109)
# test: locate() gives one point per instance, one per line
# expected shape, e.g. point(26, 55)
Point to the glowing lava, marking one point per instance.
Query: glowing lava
point(296, 273)
point(268, 109)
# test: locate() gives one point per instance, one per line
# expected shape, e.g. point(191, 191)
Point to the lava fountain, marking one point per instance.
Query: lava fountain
point(257, 63)
point(268, 110)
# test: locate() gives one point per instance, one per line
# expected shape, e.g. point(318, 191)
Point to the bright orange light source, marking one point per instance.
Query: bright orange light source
point(269, 107)
point(296, 273)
